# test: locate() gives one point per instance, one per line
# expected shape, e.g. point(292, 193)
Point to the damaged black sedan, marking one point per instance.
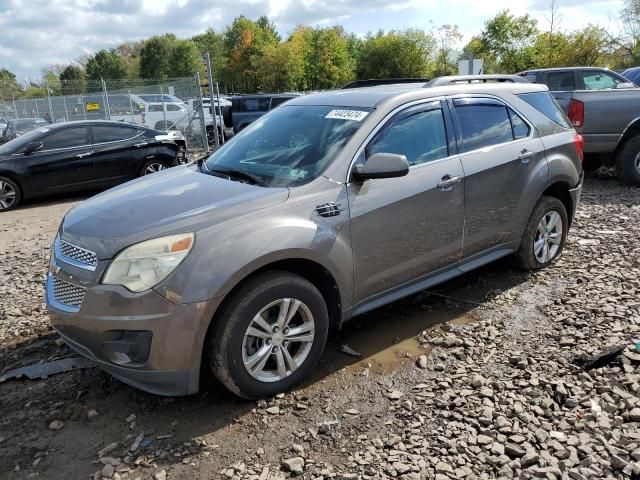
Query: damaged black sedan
point(84, 155)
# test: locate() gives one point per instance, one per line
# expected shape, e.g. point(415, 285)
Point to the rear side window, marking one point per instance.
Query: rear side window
point(599, 80)
point(483, 125)
point(531, 76)
point(173, 108)
point(252, 104)
point(155, 108)
point(546, 104)
point(107, 133)
point(561, 81)
point(420, 137)
point(275, 101)
point(67, 138)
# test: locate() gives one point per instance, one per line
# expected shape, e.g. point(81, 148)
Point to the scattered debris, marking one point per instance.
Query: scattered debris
point(346, 349)
point(44, 370)
point(605, 357)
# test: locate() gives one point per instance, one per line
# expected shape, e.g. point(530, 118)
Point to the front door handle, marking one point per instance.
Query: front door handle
point(526, 156)
point(82, 155)
point(448, 182)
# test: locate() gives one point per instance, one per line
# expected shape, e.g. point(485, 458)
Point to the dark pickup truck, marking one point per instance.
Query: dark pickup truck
point(604, 108)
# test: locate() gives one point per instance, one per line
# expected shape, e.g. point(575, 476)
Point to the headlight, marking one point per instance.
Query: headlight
point(144, 265)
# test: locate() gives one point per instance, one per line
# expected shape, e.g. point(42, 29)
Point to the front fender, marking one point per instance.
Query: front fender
point(221, 260)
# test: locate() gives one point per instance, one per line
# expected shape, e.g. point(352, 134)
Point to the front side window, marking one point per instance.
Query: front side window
point(173, 108)
point(67, 138)
point(289, 146)
point(420, 137)
point(155, 107)
point(483, 125)
point(599, 81)
point(561, 81)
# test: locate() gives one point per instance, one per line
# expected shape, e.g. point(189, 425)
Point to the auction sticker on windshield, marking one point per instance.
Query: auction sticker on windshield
point(356, 115)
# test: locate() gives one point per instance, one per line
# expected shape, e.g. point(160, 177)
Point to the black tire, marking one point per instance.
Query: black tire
point(211, 139)
point(149, 163)
point(628, 162)
point(591, 163)
point(10, 194)
point(224, 345)
point(526, 258)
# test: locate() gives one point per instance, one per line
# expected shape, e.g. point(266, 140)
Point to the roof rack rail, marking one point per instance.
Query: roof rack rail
point(374, 82)
point(462, 79)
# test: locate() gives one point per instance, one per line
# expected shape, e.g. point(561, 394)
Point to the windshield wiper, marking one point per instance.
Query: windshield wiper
point(254, 179)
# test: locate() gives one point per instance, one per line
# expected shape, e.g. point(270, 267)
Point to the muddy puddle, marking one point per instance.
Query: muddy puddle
point(386, 339)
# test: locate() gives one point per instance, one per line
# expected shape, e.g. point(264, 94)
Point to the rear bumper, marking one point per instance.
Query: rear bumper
point(164, 357)
point(575, 193)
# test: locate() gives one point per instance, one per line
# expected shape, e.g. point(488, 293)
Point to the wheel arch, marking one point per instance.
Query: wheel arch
point(14, 178)
point(560, 190)
point(630, 131)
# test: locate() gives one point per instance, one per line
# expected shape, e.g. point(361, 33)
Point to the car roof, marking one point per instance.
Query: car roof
point(57, 126)
point(552, 69)
point(371, 97)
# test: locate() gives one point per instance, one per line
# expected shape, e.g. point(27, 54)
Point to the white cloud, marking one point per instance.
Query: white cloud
point(37, 33)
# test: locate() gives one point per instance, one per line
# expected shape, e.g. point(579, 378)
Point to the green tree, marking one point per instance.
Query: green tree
point(506, 43)
point(184, 60)
point(155, 56)
point(213, 42)
point(245, 39)
point(9, 86)
point(589, 46)
point(51, 81)
point(446, 37)
point(396, 54)
point(106, 64)
point(280, 67)
point(73, 80)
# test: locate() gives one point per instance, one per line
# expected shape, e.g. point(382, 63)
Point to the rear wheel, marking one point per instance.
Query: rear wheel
point(9, 194)
point(153, 166)
point(544, 236)
point(628, 162)
point(269, 336)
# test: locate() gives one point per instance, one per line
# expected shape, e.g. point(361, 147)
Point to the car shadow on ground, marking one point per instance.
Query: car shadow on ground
point(385, 339)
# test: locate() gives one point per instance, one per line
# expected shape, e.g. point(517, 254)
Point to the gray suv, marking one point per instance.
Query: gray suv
point(325, 208)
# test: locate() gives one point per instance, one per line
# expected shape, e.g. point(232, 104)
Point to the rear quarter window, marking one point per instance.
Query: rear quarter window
point(546, 104)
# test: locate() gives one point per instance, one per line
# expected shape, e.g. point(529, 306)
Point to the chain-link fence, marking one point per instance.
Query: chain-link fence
point(169, 104)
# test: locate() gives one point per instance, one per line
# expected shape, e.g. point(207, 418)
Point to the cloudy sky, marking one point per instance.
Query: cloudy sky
point(37, 33)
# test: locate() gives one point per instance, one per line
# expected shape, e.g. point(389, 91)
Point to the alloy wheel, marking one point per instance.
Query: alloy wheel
point(7, 195)
point(548, 239)
point(636, 163)
point(153, 168)
point(278, 340)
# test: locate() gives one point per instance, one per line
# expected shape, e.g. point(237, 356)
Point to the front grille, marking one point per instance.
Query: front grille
point(78, 254)
point(67, 293)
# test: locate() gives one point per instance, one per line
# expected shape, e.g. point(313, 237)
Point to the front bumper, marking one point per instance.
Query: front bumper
point(575, 193)
point(174, 333)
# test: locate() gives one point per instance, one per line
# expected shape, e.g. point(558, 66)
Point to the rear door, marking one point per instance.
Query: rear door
point(65, 160)
point(405, 228)
point(501, 157)
point(118, 152)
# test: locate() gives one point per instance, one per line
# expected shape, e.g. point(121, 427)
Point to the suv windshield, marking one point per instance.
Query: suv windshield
point(289, 146)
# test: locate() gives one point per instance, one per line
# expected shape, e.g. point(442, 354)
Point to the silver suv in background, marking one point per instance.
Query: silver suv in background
point(327, 207)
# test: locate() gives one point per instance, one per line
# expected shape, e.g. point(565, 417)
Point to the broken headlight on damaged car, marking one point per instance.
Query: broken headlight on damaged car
point(144, 265)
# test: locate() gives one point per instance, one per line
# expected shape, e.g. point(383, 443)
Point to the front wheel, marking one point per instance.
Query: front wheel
point(628, 162)
point(544, 236)
point(9, 194)
point(269, 336)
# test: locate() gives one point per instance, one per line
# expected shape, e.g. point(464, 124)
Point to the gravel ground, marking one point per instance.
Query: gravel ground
point(487, 384)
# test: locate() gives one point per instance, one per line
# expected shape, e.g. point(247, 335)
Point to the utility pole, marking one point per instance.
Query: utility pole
point(207, 59)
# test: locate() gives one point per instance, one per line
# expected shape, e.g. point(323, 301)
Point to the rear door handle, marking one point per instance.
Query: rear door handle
point(82, 155)
point(526, 156)
point(448, 182)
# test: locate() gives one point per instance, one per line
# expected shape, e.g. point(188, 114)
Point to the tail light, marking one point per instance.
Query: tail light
point(576, 113)
point(579, 143)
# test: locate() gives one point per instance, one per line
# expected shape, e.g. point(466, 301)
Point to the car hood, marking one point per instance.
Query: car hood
point(178, 200)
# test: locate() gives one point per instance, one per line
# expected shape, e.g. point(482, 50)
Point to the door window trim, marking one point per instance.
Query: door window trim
point(506, 104)
point(93, 135)
point(448, 124)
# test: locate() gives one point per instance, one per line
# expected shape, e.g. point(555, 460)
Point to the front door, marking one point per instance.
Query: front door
point(405, 228)
point(64, 162)
point(504, 162)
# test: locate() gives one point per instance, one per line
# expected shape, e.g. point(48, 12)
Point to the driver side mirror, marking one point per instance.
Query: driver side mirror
point(32, 147)
point(382, 165)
